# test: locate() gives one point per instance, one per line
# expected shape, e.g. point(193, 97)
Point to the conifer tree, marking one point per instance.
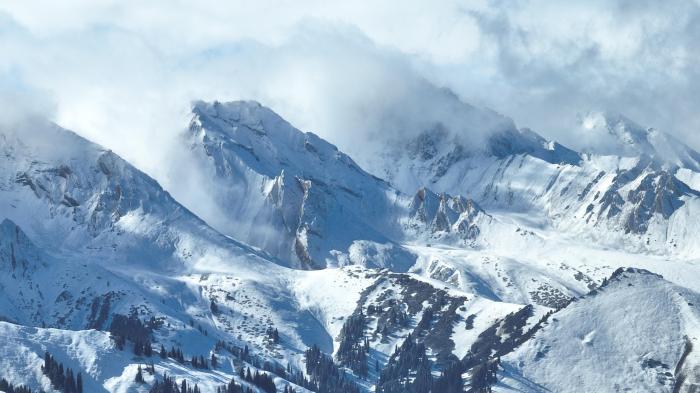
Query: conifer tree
point(139, 376)
point(79, 383)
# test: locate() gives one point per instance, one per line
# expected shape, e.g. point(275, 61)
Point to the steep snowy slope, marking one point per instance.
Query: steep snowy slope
point(105, 239)
point(37, 289)
point(637, 333)
point(22, 353)
point(70, 196)
point(298, 197)
point(245, 311)
point(87, 240)
point(637, 204)
point(642, 201)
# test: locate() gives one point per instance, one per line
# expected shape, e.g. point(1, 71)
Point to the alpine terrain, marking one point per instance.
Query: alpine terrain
point(278, 263)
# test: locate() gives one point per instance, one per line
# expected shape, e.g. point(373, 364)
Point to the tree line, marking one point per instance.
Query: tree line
point(325, 375)
point(62, 378)
point(7, 387)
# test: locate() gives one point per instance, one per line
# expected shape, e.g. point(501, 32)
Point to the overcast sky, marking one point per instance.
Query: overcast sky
point(124, 72)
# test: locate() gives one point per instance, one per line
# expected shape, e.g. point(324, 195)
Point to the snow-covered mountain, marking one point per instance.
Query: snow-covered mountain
point(298, 197)
point(500, 264)
point(644, 199)
point(616, 134)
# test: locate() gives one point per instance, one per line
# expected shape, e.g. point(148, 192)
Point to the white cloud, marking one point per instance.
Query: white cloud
point(123, 72)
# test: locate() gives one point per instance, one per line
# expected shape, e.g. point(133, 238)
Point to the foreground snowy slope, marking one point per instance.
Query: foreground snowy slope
point(601, 343)
point(245, 311)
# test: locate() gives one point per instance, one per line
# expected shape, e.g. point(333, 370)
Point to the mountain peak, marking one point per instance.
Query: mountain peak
point(250, 114)
point(266, 142)
point(618, 130)
point(526, 141)
point(611, 133)
point(234, 110)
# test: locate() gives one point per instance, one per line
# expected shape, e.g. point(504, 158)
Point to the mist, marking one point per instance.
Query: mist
point(124, 76)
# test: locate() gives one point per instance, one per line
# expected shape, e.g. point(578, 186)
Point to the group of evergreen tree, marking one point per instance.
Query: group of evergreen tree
point(393, 318)
point(169, 385)
point(241, 353)
point(427, 318)
point(131, 328)
point(7, 387)
point(233, 387)
point(214, 307)
point(273, 334)
point(245, 355)
point(262, 380)
point(484, 375)
point(174, 353)
point(296, 377)
point(144, 348)
point(408, 370)
point(139, 373)
point(61, 378)
point(326, 377)
point(450, 380)
point(199, 362)
point(353, 348)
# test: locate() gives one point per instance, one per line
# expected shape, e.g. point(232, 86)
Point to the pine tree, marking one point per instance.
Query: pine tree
point(147, 348)
point(139, 376)
point(69, 384)
point(79, 383)
point(138, 348)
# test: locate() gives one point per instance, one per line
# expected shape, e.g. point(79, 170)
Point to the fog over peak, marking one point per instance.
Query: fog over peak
point(125, 76)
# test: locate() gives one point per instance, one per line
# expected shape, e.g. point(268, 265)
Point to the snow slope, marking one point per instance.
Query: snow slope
point(629, 335)
point(298, 197)
point(480, 252)
point(643, 202)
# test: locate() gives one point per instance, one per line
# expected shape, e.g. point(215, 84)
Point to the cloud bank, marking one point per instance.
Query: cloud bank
point(123, 73)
